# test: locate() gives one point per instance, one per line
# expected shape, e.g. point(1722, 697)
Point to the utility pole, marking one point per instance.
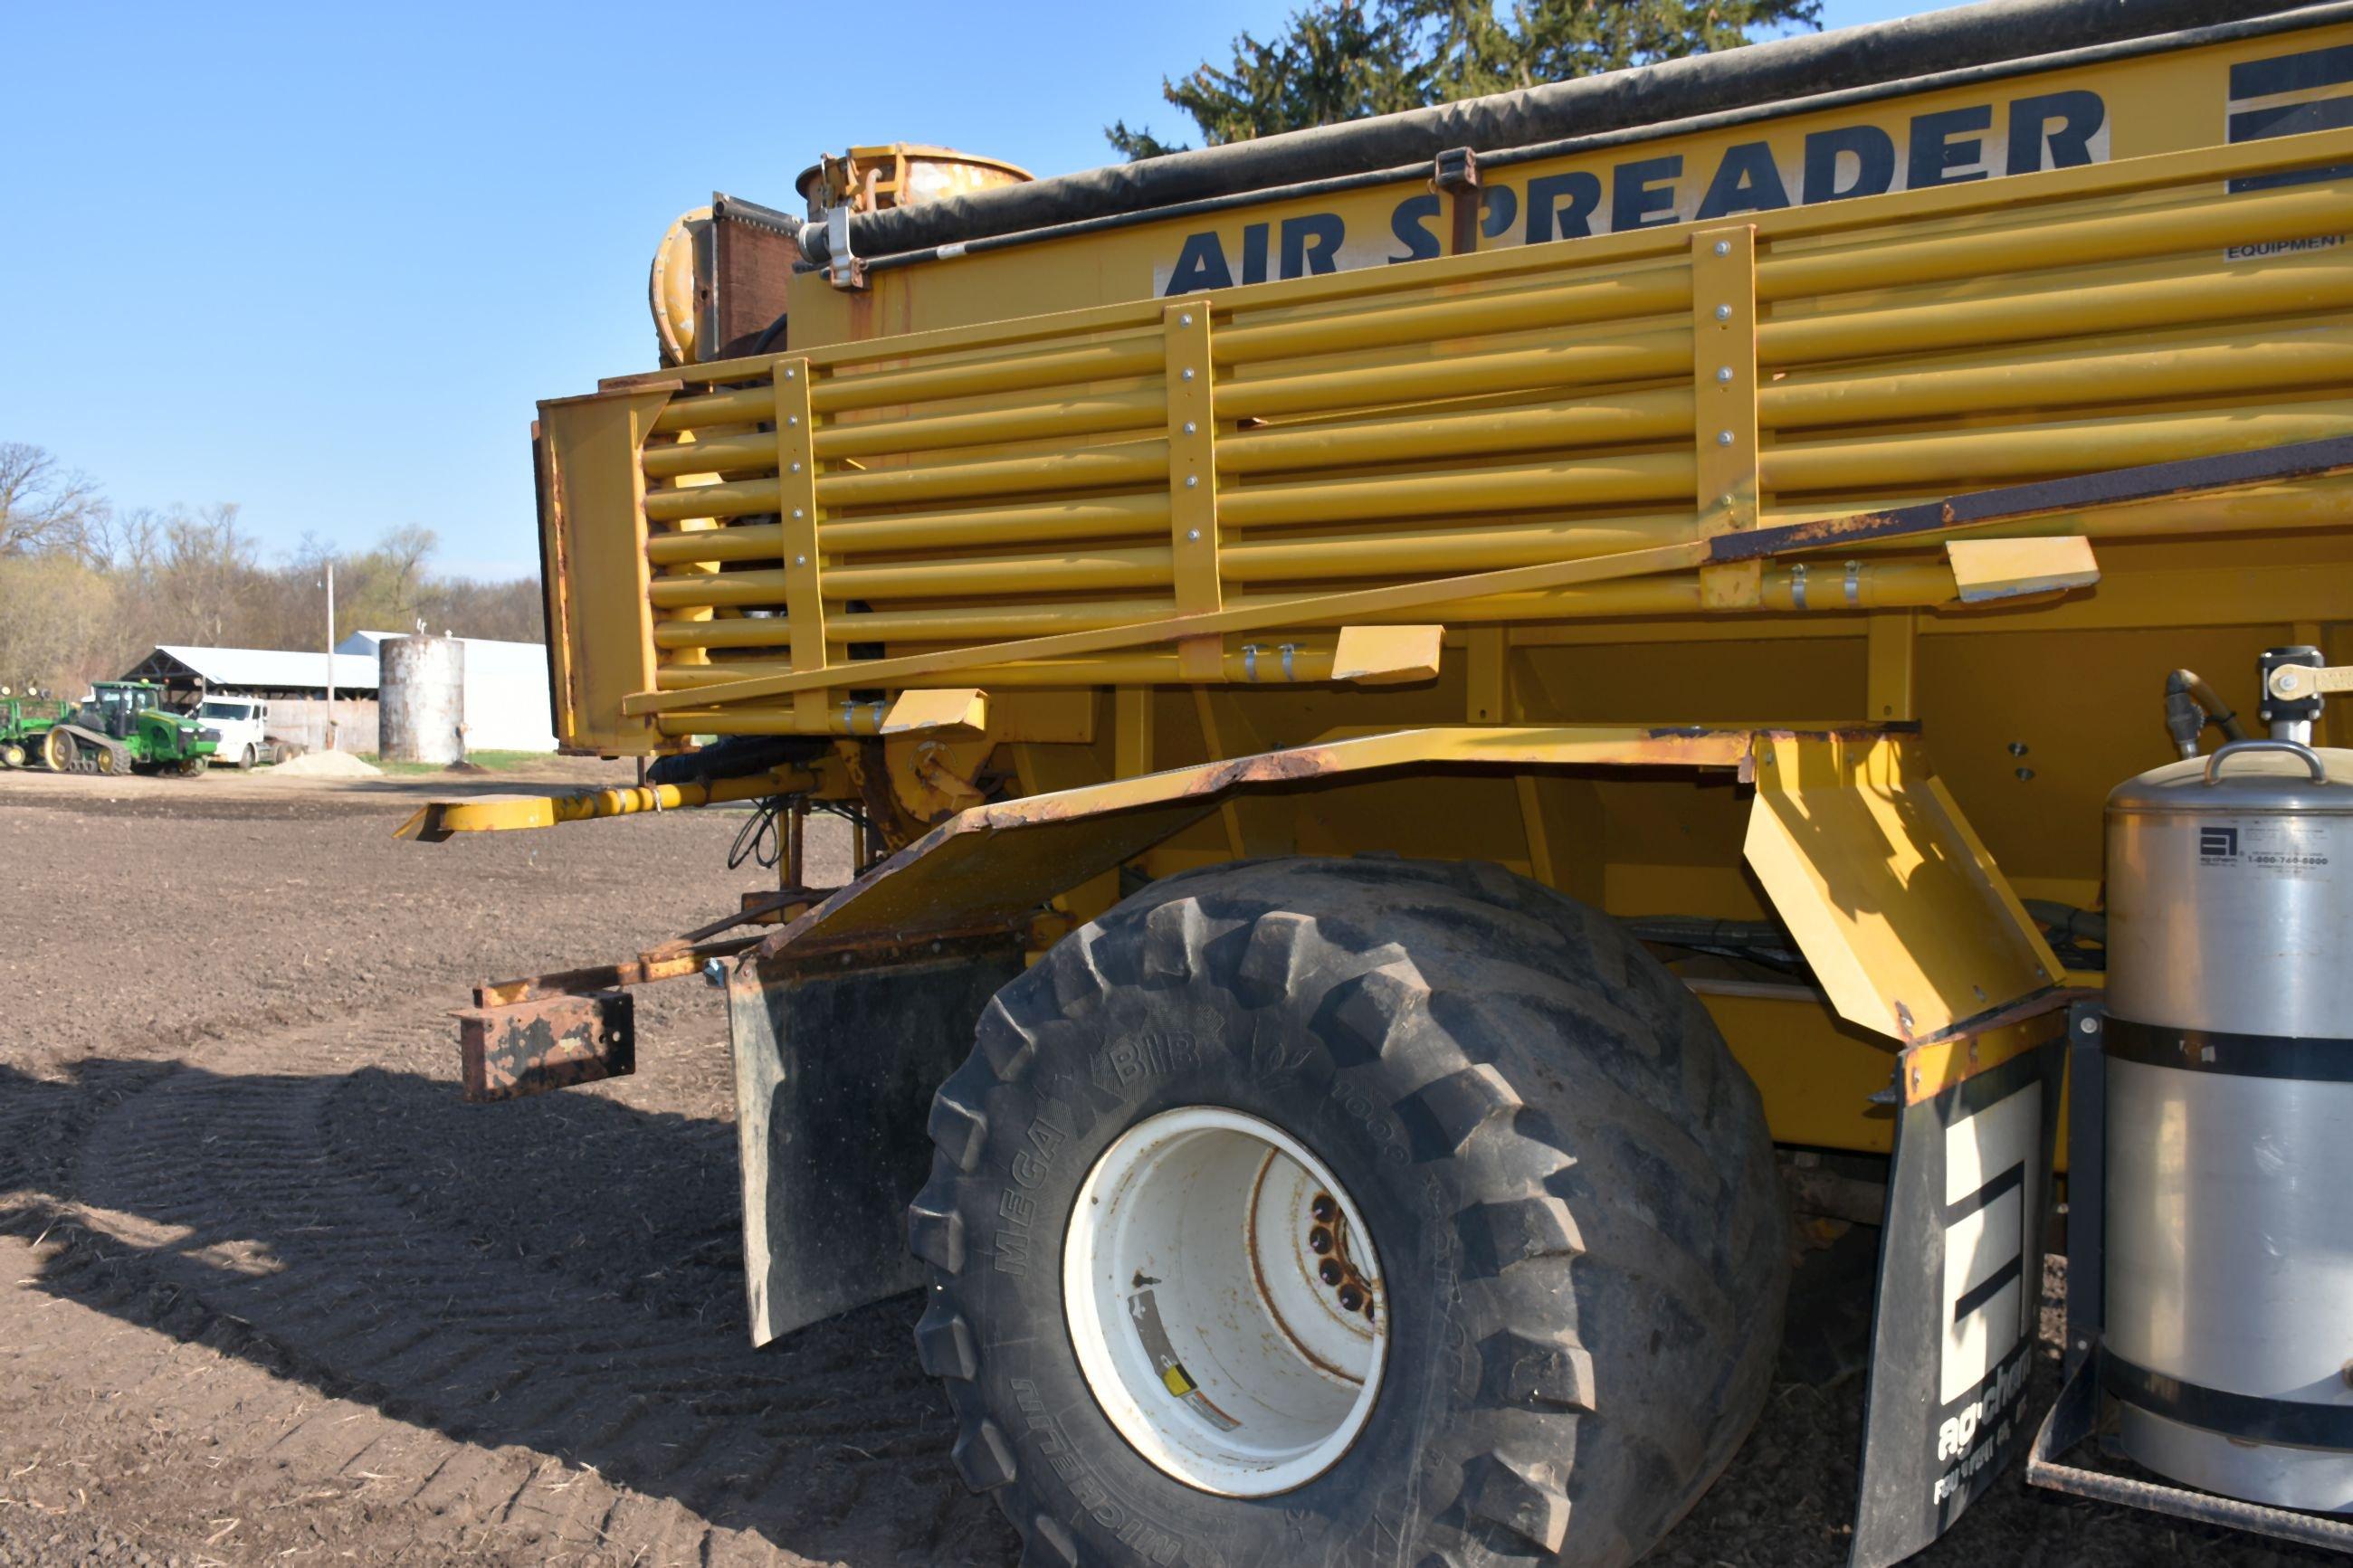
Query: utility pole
point(331, 653)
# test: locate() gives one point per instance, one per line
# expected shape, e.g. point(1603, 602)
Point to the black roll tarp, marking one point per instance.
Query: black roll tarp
point(1994, 34)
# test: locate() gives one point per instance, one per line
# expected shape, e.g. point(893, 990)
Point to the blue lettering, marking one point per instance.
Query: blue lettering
point(1201, 264)
point(1941, 145)
point(1254, 253)
point(1642, 194)
point(1746, 181)
point(1311, 244)
point(1546, 215)
point(2079, 116)
point(1874, 152)
point(1498, 206)
point(1410, 224)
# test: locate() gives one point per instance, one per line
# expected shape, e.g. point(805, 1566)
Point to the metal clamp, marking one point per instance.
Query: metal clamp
point(1854, 585)
point(2298, 682)
point(2311, 758)
point(1454, 171)
point(1249, 662)
point(1797, 586)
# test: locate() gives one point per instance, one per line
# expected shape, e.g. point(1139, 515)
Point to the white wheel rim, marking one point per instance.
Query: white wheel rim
point(1233, 1331)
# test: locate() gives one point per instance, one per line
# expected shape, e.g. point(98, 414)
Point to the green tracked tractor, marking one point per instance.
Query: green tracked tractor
point(125, 726)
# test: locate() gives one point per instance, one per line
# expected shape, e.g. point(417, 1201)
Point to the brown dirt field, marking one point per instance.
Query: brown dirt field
point(270, 1293)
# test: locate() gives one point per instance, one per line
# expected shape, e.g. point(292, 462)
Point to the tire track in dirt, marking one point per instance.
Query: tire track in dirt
point(241, 1205)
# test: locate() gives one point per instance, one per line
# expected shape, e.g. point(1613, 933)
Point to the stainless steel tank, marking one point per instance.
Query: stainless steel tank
point(421, 699)
point(2230, 1131)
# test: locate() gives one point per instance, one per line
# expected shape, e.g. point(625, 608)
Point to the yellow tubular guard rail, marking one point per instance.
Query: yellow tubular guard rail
point(731, 544)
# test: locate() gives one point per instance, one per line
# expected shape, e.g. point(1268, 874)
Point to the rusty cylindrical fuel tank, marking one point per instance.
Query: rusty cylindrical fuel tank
point(422, 693)
point(902, 173)
point(2230, 1121)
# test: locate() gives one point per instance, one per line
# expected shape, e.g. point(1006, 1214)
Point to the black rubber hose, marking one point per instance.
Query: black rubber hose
point(2066, 923)
point(2191, 703)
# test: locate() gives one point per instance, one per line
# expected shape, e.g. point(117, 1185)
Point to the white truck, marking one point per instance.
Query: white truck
point(242, 722)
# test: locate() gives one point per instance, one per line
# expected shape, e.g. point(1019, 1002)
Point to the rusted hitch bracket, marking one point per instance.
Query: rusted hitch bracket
point(527, 1048)
point(577, 1025)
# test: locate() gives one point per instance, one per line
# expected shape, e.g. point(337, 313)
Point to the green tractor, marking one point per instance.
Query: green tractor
point(29, 721)
point(124, 725)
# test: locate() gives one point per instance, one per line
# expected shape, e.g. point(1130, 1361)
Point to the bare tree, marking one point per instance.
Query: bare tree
point(129, 543)
point(86, 590)
point(43, 506)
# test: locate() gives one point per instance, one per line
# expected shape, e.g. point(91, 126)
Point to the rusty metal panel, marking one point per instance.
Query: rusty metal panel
point(528, 1047)
point(745, 269)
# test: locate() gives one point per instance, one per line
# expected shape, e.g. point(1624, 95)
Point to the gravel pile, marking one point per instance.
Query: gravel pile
point(324, 765)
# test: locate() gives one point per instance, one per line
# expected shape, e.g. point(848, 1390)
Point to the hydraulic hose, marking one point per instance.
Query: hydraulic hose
point(2190, 704)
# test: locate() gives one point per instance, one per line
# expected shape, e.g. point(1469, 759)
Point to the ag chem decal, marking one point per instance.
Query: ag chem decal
point(1959, 1290)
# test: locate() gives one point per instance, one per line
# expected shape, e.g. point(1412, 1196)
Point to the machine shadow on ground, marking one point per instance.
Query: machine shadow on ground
point(563, 1275)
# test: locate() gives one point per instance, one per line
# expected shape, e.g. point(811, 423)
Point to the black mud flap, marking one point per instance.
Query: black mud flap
point(835, 1061)
point(1960, 1289)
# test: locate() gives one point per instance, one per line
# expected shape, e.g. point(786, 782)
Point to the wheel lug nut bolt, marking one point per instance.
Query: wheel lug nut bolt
point(1351, 1299)
point(1323, 1208)
point(1332, 1272)
point(1319, 1240)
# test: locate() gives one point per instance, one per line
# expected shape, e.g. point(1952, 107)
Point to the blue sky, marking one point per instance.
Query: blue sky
point(322, 260)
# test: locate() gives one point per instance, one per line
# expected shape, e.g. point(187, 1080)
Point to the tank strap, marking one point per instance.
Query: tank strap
point(2310, 1058)
point(2245, 1415)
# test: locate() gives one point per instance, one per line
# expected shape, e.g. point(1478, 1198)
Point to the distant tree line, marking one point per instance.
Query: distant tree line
point(1344, 59)
point(86, 589)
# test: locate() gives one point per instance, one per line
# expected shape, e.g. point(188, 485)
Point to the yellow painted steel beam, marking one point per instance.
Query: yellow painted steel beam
point(437, 820)
point(1095, 518)
point(1525, 487)
point(1325, 608)
point(1074, 570)
point(801, 563)
point(1365, 655)
point(2206, 365)
point(1364, 603)
point(593, 537)
point(1657, 291)
point(1416, 418)
point(1876, 585)
point(1612, 420)
point(1016, 372)
point(1103, 467)
point(1078, 415)
point(1595, 362)
point(1904, 919)
point(1726, 463)
point(2196, 222)
point(997, 862)
point(2027, 452)
point(2062, 308)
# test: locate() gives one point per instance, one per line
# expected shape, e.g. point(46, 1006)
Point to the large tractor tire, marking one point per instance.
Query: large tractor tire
point(58, 751)
point(12, 755)
point(1349, 1212)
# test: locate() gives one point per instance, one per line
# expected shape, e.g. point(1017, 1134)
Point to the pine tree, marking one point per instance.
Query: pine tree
point(1343, 59)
